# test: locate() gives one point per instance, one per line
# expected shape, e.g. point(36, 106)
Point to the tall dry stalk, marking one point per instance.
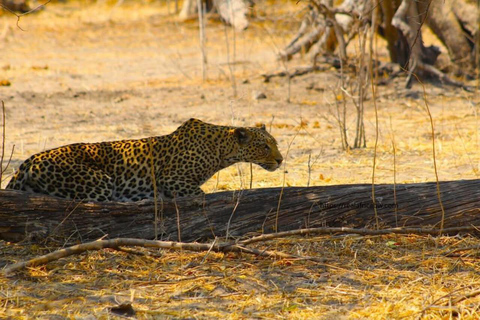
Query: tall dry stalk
point(4, 136)
point(394, 172)
point(360, 140)
point(227, 232)
point(231, 65)
point(251, 175)
point(155, 191)
point(475, 170)
point(2, 155)
point(177, 212)
point(240, 175)
point(309, 168)
point(201, 24)
point(477, 49)
point(374, 97)
point(284, 62)
point(341, 118)
point(432, 127)
point(217, 182)
point(310, 165)
point(284, 180)
point(356, 92)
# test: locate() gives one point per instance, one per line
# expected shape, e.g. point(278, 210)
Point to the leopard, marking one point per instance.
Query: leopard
point(166, 166)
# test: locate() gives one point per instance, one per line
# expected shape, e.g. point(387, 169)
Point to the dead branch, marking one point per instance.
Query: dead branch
point(129, 242)
point(363, 232)
point(300, 71)
point(329, 16)
point(302, 43)
point(324, 27)
point(238, 246)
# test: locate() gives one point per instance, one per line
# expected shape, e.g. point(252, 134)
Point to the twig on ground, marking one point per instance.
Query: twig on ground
point(363, 231)
point(138, 253)
point(450, 302)
point(229, 247)
point(209, 250)
point(130, 242)
point(449, 253)
point(466, 296)
point(297, 72)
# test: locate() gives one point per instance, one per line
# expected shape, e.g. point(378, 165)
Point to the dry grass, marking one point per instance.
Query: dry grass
point(368, 277)
point(89, 72)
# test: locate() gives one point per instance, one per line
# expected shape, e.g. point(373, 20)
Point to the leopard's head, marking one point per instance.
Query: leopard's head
point(258, 146)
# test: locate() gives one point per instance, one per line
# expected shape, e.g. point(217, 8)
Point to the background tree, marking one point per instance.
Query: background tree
point(327, 30)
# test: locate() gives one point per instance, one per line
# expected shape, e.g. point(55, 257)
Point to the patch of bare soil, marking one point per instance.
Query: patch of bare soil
point(86, 72)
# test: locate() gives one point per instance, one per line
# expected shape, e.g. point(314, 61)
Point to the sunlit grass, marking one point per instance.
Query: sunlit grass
point(87, 71)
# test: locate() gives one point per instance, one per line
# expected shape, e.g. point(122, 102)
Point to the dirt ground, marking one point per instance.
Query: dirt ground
point(85, 71)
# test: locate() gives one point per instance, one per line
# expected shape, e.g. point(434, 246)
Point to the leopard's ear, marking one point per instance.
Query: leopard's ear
point(261, 126)
point(242, 135)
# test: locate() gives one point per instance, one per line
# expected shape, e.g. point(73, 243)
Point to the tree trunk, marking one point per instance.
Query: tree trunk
point(20, 6)
point(400, 22)
point(397, 45)
point(189, 10)
point(233, 12)
point(253, 211)
point(454, 24)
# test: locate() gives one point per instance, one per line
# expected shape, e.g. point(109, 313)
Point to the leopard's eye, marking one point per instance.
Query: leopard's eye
point(267, 147)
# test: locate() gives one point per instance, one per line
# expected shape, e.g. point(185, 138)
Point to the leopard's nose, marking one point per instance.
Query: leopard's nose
point(279, 161)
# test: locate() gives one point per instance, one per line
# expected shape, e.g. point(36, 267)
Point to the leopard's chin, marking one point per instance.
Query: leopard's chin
point(269, 166)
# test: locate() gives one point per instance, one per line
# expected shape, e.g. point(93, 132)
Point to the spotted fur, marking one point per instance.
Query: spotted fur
point(122, 170)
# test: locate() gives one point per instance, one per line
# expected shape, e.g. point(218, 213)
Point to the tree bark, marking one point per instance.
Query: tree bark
point(233, 12)
point(454, 24)
point(400, 22)
point(39, 217)
point(397, 44)
point(20, 6)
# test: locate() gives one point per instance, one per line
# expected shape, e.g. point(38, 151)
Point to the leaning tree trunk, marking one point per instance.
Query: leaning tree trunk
point(40, 217)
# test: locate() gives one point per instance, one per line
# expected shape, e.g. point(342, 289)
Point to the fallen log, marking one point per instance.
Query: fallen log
point(41, 217)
